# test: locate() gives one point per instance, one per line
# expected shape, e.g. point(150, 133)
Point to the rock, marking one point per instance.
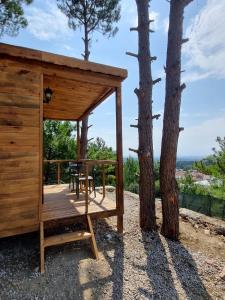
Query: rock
point(109, 237)
point(207, 231)
point(196, 226)
point(222, 274)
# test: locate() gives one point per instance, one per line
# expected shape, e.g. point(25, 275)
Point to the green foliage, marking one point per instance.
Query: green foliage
point(131, 176)
point(59, 141)
point(98, 150)
point(95, 15)
point(214, 164)
point(131, 171)
point(12, 16)
point(157, 188)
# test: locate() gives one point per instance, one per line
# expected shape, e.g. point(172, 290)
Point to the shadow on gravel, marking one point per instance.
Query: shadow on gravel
point(171, 269)
point(187, 272)
point(157, 269)
point(113, 244)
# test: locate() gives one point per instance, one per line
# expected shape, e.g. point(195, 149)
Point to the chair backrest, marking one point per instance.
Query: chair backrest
point(74, 168)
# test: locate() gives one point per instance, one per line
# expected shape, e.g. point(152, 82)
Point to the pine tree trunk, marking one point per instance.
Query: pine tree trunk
point(84, 128)
point(144, 94)
point(168, 184)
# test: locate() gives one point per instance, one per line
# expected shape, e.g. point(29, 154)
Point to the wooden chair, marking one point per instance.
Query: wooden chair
point(91, 181)
point(78, 179)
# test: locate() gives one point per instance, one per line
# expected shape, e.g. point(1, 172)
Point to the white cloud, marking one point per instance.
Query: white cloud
point(199, 139)
point(48, 24)
point(205, 51)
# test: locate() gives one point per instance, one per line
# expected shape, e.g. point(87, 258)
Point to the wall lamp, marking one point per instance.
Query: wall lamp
point(47, 95)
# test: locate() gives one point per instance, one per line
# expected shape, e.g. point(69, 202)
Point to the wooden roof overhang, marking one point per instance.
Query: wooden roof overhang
point(78, 86)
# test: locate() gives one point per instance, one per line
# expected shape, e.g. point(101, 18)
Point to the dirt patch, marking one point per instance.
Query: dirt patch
point(136, 265)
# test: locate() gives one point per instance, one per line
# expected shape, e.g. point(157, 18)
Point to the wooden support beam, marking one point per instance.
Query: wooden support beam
point(42, 249)
point(78, 140)
point(103, 181)
point(86, 188)
point(58, 173)
point(93, 241)
point(119, 169)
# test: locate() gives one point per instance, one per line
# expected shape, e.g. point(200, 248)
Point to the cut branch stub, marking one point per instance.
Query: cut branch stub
point(90, 140)
point(156, 116)
point(137, 92)
point(134, 150)
point(182, 87)
point(90, 126)
point(134, 126)
point(185, 40)
point(181, 129)
point(134, 29)
point(156, 80)
point(132, 54)
point(153, 58)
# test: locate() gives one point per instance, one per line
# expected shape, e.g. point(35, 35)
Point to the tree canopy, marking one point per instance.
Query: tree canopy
point(59, 140)
point(12, 16)
point(92, 15)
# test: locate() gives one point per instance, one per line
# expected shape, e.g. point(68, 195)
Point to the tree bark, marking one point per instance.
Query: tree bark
point(84, 128)
point(144, 94)
point(168, 184)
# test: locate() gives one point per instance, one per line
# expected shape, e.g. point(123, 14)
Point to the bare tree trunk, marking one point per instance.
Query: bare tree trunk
point(84, 128)
point(171, 129)
point(144, 94)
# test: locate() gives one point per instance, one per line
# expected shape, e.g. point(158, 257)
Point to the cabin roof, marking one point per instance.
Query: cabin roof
point(78, 86)
point(61, 60)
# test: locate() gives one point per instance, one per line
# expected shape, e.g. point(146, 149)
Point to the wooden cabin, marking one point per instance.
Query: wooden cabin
point(78, 87)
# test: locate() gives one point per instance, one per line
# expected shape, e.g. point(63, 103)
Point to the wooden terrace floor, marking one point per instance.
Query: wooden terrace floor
point(60, 203)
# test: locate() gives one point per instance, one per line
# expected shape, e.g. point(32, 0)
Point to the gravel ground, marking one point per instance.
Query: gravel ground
point(133, 266)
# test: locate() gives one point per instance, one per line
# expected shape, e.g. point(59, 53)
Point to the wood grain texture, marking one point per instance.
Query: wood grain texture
point(19, 149)
point(60, 203)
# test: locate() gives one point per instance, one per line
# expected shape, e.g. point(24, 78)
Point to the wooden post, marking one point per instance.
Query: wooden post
point(42, 249)
point(86, 189)
point(103, 181)
point(119, 168)
point(78, 140)
point(58, 172)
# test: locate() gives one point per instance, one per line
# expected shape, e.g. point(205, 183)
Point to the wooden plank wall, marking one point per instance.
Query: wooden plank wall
point(19, 148)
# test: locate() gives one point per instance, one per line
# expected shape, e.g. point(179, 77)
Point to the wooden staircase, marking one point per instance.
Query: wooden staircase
point(66, 238)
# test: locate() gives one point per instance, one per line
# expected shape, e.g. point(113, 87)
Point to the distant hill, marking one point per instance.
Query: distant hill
point(183, 162)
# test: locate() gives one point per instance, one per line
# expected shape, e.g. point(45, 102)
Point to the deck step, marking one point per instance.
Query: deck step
point(66, 238)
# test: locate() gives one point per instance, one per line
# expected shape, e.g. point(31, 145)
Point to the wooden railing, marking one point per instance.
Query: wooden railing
point(87, 163)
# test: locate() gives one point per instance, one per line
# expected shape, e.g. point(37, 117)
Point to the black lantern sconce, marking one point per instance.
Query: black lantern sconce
point(47, 95)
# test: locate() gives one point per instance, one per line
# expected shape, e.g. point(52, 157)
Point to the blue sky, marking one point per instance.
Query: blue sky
point(203, 101)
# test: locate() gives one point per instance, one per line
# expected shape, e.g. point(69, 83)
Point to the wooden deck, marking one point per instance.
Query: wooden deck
point(60, 203)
